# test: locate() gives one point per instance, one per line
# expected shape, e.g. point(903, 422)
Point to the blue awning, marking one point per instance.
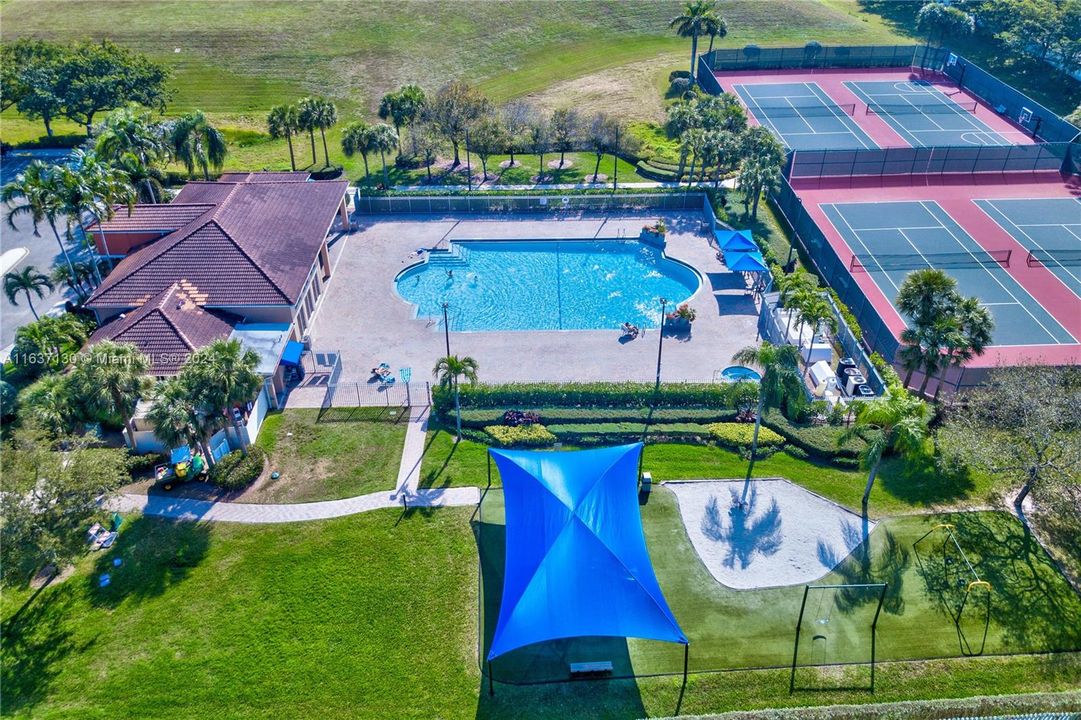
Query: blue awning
point(745, 261)
point(740, 240)
point(576, 558)
point(291, 354)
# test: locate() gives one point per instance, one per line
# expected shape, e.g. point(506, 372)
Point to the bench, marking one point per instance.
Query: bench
point(591, 669)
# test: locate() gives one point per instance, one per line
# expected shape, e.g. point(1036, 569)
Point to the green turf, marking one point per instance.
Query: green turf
point(900, 487)
point(327, 460)
point(374, 616)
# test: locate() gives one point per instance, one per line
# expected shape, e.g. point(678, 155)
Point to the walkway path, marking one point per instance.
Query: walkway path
point(406, 493)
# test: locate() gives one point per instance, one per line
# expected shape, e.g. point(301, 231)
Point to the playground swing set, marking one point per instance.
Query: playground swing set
point(958, 584)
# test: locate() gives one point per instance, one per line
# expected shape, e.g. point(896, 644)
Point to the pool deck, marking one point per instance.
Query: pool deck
point(363, 317)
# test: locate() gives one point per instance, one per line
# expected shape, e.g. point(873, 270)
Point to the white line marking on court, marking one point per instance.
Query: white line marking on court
point(1036, 243)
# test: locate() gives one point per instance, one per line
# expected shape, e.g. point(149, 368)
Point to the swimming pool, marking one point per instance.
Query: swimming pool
point(546, 284)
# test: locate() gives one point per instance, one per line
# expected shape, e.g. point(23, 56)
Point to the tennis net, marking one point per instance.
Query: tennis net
point(915, 261)
point(1060, 258)
point(791, 111)
point(932, 108)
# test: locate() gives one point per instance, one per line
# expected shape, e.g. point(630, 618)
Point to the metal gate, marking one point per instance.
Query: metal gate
point(373, 401)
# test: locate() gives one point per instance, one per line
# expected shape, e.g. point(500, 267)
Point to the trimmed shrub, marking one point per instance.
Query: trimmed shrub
point(797, 452)
point(513, 418)
point(679, 85)
point(605, 433)
point(737, 436)
point(236, 471)
point(818, 440)
point(535, 435)
point(679, 74)
point(480, 417)
point(143, 463)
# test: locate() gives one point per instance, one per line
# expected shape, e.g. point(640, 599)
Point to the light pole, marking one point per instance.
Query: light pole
point(446, 327)
point(660, 346)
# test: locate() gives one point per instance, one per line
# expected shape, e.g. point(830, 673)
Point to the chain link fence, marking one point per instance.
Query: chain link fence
point(572, 202)
point(936, 160)
point(814, 55)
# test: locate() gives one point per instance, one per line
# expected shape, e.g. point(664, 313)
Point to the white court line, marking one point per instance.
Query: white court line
point(995, 277)
point(1021, 229)
point(874, 256)
point(802, 119)
point(850, 123)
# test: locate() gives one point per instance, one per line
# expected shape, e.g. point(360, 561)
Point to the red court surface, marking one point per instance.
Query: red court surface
point(832, 82)
point(956, 196)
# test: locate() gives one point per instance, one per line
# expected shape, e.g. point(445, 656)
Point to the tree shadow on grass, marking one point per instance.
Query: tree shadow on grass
point(35, 642)
point(430, 478)
point(154, 553)
point(920, 480)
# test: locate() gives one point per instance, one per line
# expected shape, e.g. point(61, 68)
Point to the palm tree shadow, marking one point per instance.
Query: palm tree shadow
point(746, 535)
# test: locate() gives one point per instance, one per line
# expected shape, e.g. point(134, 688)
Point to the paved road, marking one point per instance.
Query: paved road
point(42, 252)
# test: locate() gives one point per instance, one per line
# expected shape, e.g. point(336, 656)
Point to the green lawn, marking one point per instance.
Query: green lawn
point(375, 616)
point(901, 487)
point(327, 460)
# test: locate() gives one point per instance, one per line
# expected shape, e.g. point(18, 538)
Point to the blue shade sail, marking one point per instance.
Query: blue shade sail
point(576, 559)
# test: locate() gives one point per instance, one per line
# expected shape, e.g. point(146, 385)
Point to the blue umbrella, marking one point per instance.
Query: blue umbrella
point(738, 240)
point(745, 261)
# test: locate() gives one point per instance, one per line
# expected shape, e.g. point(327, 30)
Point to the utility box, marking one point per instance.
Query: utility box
point(647, 483)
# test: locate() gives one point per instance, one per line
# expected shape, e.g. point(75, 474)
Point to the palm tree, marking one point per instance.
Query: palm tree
point(926, 297)
point(222, 375)
point(148, 180)
point(326, 117)
point(65, 275)
point(815, 311)
point(173, 414)
point(308, 119)
point(716, 29)
point(129, 130)
point(976, 325)
point(699, 17)
point(896, 422)
point(195, 141)
point(28, 280)
point(97, 187)
point(793, 287)
point(449, 370)
point(110, 379)
point(50, 403)
point(402, 107)
point(758, 174)
point(780, 382)
point(922, 348)
point(356, 139)
point(38, 192)
point(383, 139)
point(282, 122)
point(695, 141)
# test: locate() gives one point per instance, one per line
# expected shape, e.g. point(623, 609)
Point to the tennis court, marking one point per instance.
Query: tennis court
point(891, 239)
point(924, 115)
point(1049, 228)
point(804, 116)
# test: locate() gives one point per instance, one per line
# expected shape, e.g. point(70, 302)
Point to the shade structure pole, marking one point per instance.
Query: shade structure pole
point(686, 659)
point(491, 685)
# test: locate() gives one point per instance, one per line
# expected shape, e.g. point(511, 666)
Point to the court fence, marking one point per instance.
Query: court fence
point(569, 203)
point(835, 272)
point(934, 160)
point(814, 55)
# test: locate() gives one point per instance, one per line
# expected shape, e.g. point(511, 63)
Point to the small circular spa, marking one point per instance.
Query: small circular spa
point(547, 284)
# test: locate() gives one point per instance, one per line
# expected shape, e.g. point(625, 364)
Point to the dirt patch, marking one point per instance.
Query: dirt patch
point(598, 178)
point(634, 91)
point(48, 576)
point(508, 164)
point(554, 164)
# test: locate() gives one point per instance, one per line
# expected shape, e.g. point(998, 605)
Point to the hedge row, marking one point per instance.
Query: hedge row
point(737, 436)
point(817, 440)
point(535, 435)
point(480, 417)
point(594, 395)
point(236, 470)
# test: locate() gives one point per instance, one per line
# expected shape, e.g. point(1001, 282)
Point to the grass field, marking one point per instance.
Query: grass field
point(378, 612)
point(326, 461)
point(901, 487)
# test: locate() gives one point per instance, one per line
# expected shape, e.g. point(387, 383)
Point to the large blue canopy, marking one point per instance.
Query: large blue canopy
point(745, 261)
point(576, 562)
point(735, 240)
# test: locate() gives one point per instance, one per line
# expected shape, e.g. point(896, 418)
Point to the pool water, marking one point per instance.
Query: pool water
point(547, 284)
point(736, 373)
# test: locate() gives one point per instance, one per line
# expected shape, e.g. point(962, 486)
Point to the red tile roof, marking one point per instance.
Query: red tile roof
point(165, 217)
point(255, 246)
point(167, 328)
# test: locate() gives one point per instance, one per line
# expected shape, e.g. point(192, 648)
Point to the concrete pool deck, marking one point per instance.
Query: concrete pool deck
point(362, 316)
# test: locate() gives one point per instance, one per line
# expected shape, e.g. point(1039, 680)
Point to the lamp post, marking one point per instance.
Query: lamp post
point(660, 345)
point(446, 327)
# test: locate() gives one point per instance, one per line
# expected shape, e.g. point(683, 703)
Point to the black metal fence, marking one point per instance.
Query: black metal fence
point(834, 271)
point(376, 401)
point(572, 202)
point(937, 160)
point(813, 55)
point(1007, 101)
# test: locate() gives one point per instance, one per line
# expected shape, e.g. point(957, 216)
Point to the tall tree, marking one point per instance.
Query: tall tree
point(938, 20)
point(195, 141)
point(975, 326)
point(693, 144)
point(402, 107)
point(1031, 438)
point(815, 312)
point(326, 117)
point(222, 376)
point(48, 343)
point(147, 180)
point(18, 56)
point(716, 29)
point(453, 109)
point(699, 17)
point(450, 370)
point(101, 188)
point(600, 135)
point(756, 176)
point(49, 498)
point(382, 139)
point(102, 76)
point(356, 138)
point(793, 288)
point(28, 281)
point(110, 379)
point(540, 139)
point(308, 119)
point(928, 300)
point(780, 383)
point(50, 404)
point(283, 121)
point(897, 422)
point(515, 117)
point(488, 138)
point(130, 130)
point(566, 131)
point(426, 142)
point(174, 416)
point(38, 192)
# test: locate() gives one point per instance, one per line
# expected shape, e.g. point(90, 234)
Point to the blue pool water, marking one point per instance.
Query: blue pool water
point(735, 373)
point(547, 284)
